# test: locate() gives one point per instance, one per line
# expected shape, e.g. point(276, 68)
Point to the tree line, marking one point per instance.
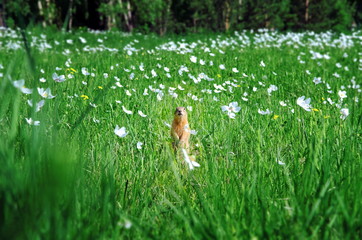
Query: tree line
point(180, 16)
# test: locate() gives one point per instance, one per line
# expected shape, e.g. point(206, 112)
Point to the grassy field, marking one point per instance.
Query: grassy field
point(281, 167)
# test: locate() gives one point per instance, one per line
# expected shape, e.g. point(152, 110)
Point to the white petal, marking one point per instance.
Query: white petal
point(121, 132)
point(19, 83)
point(142, 114)
point(231, 115)
point(127, 111)
point(168, 125)
point(224, 108)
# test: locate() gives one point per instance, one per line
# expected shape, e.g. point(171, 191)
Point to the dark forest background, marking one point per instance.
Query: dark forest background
point(180, 16)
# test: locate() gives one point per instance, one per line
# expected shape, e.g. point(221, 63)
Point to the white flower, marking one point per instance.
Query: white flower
point(82, 40)
point(159, 96)
point(231, 109)
point(304, 103)
point(189, 108)
point(193, 132)
point(330, 101)
point(255, 89)
point(127, 111)
point(342, 94)
point(127, 224)
point(280, 162)
point(166, 69)
point(120, 132)
point(222, 66)
point(282, 103)
point(262, 64)
point(192, 164)
point(202, 62)
point(235, 70)
point(193, 59)
point(43, 80)
point(167, 124)
point(139, 145)
point(142, 114)
point(58, 78)
point(336, 75)
point(344, 112)
point(128, 93)
point(32, 122)
point(105, 75)
point(85, 71)
point(45, 93)
point(271, 89)
point(20, 84)
point(39, 105)
point(317, 80)
point(266, 112)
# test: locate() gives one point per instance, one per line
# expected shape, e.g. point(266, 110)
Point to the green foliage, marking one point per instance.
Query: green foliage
point(336, 16)
point(161, 16)
point(17, 12)
point(71, 177)
point(342, 16)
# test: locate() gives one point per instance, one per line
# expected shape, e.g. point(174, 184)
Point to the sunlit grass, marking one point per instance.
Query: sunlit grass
point(296, 175)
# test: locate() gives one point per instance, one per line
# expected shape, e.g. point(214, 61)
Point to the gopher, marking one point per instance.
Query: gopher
point(180, 130)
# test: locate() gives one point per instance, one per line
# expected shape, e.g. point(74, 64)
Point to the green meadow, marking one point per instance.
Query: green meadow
point(276, 120)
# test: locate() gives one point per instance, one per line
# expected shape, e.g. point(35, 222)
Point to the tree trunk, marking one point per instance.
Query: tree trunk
point(306, 16)
point(238, 12)
point(50, 16)
point(2, 14)
point(127, 15)
point(70, 24)
point(41, 13)
point(227, 16)
point(164, 19)
point(110, 15)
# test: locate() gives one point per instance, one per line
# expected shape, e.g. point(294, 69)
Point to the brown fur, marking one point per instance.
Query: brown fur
point(180, 130)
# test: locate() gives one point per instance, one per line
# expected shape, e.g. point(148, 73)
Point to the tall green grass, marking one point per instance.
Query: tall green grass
point(73, 178)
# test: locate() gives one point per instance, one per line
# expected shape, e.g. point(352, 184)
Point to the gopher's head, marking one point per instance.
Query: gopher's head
point(180, 112)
